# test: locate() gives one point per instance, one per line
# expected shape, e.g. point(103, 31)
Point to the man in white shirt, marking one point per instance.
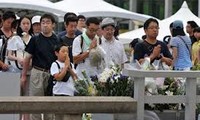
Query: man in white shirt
point(82, 46)
point(114, 49)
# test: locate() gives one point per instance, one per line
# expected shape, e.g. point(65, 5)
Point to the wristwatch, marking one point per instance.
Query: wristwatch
point(88, 51)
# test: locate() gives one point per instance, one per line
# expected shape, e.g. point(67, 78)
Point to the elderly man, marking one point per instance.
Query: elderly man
point(115, 52)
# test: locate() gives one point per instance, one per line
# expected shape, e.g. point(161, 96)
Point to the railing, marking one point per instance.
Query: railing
point(11, 102)
point(190, 98)
point(67, 105)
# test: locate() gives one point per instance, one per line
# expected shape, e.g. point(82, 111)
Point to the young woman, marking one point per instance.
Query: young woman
point(22, 32)
point(181, 47)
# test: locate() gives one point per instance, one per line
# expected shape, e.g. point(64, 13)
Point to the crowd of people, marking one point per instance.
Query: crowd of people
point(31, 47)
point(178, 50)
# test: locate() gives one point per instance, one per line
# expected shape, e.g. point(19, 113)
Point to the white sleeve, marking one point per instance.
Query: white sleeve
point(12, 43)
point(76, 48)
point(54, 68)
point(124, 56)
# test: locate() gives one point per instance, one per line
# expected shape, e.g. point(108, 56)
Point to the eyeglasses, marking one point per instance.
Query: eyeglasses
point(92, 30)
point(151, 28)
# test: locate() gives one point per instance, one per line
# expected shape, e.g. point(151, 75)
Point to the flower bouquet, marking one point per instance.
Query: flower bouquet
point(85, 87)
point(109, 83)
point(170, 87)
point(112, 83)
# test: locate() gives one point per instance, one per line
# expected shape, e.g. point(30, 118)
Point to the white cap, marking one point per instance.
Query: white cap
point(107, 21)
point(35, 19)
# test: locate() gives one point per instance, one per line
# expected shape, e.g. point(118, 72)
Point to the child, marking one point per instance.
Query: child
point(63, 72)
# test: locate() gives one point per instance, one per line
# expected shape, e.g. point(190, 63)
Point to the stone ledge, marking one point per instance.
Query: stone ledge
point(67, 105)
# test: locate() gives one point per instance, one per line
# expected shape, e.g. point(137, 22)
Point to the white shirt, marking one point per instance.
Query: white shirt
point(114, 51)
point(65, 88)
point(15, 43)
point(83, 66)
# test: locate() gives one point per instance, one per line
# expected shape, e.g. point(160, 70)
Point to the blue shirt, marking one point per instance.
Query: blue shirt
point(183, 59)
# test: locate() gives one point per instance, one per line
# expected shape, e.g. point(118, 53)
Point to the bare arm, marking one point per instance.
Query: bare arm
point(174, 54)
point(11, 56)
point(73, 74)
point(25, 68)
point(79, 58)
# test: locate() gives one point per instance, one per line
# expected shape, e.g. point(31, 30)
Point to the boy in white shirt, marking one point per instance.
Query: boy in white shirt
point(63, 72)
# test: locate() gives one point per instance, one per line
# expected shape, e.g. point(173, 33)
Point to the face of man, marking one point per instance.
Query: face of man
point(71, 28)
point(108, 32)
point(189, 29)
point(36, 28)
point(47, 26)
point(7, 23)
point(81, 22)
point(92, 30)
point(152, 30)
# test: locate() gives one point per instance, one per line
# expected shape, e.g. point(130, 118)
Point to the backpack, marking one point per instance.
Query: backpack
point(52, 81)
point(3, 48)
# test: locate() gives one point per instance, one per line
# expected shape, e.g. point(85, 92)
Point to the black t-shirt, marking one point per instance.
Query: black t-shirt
point(63, 33)
point(144, 49)
point(42, 50)
point(69, 42)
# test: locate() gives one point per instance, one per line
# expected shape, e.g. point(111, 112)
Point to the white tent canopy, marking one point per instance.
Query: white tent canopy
point(94, 8)
point(184, 14)
point(34, 5)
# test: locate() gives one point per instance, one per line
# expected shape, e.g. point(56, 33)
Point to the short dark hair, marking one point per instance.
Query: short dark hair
point(81, 17)
point(15, 24)
point(8, 14)
point(193, 24)
point(58, 46)
point(147, 22)
point(71, 19)
point(93, 20)
point(69, 14)
point(48, 16)
point(171, 25)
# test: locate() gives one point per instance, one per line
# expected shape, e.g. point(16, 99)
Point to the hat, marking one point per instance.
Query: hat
point(107, 21)
point(177, 24)
point(35, 19)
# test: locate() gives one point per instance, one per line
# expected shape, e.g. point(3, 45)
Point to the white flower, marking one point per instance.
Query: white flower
point(117, 76)
point(163, 87)
point(111, 80)
point(169, 93)
point(105, 75)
